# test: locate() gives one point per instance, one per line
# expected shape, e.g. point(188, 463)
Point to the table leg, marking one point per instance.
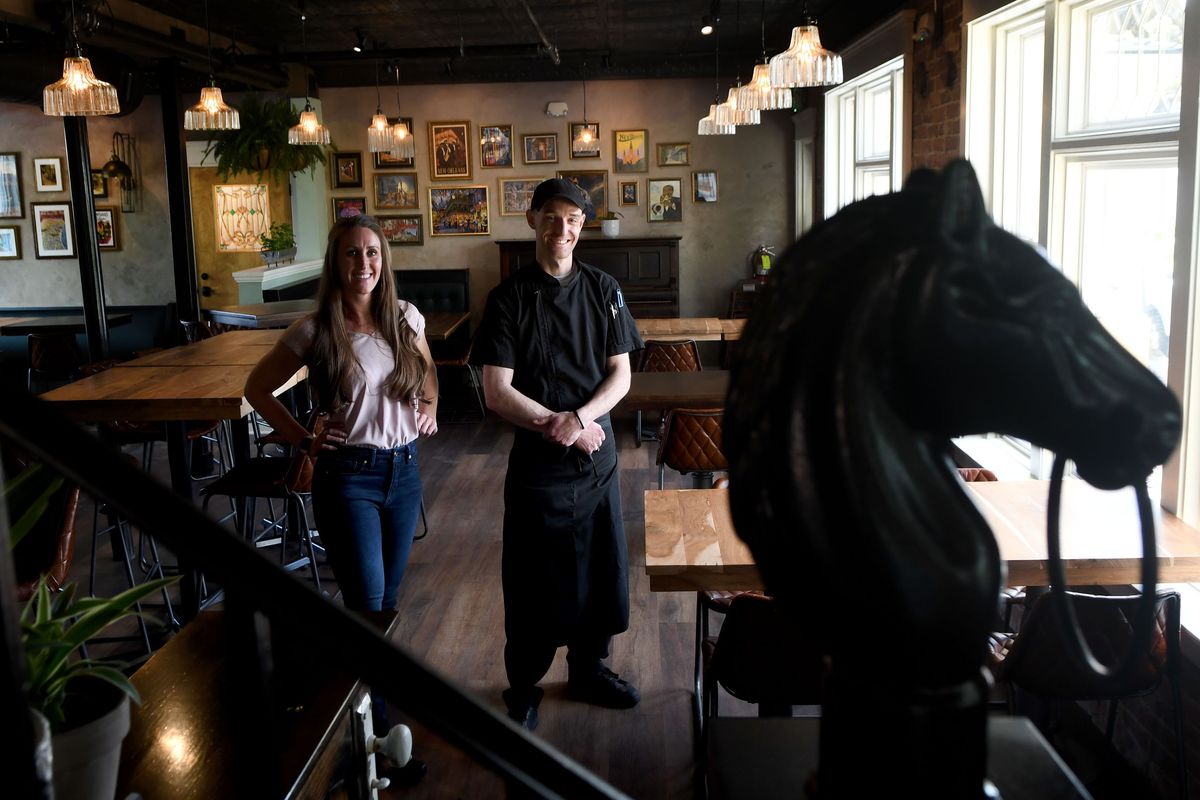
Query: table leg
point(181, 481)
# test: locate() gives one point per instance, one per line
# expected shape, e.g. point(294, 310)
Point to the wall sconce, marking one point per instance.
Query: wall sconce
point(929, 24)
point(124, 167)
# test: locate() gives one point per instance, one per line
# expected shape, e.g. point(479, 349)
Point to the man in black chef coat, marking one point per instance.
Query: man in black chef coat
point(554, 344)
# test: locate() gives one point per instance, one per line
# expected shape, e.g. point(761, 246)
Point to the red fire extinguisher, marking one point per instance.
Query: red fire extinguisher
point(760, 262)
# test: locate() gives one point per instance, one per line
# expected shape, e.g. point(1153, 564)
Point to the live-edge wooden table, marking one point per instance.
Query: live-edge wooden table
point(691, 543)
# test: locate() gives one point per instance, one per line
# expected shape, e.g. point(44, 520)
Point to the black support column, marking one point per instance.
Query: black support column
point(183, 248)
point(91, 279)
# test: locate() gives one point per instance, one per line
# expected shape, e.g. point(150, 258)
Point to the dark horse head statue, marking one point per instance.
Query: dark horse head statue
point(903, 321)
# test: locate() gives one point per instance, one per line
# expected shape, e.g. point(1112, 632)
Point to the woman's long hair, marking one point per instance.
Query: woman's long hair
point(333, 359)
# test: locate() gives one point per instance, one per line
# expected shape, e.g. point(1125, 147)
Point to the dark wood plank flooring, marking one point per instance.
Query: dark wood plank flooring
point(451, 617)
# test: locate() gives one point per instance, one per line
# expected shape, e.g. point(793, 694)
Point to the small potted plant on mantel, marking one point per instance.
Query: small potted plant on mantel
point(610, 223)
point(278, 245)
point(82, 703)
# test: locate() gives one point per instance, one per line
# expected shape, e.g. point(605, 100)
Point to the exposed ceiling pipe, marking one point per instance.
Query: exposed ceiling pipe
point(551, 50)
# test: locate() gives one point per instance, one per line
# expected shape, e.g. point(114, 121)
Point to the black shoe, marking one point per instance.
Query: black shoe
point(523, 706)
point(408, 775)
point(603, 687)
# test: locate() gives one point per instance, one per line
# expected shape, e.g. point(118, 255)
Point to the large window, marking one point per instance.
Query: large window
point(1073, 124)
point(863, 153)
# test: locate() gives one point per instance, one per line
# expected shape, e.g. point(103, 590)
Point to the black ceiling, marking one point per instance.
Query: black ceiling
point(453, 41)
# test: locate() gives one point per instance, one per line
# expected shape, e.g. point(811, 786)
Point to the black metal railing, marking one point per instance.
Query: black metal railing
point(261, 594)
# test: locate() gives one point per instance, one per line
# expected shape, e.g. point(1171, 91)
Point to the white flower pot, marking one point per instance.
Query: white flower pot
point(610, 227)
point(87, 758)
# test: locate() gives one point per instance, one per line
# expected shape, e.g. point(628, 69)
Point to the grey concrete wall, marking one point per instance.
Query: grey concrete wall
point(137, 274)
point(754, 174)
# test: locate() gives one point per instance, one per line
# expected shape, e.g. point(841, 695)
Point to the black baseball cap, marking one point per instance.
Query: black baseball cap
point(559, 187)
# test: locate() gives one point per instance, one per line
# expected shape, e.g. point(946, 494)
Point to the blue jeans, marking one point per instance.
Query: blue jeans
point(366, 503)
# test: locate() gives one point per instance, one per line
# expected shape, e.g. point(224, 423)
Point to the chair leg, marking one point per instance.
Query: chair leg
point(662, 475)
point(637, 431)
point(424, 523)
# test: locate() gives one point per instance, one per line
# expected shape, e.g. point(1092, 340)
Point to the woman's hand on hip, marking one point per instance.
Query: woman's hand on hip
point(426, 424)
point(331, 437)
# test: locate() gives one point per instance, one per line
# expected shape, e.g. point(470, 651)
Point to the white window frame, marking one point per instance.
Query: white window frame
point(846, 165)
point(1180, 490)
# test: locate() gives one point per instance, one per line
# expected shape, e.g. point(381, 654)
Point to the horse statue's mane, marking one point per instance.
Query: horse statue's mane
point(899, 323)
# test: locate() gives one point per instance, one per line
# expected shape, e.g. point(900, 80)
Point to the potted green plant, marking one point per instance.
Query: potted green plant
point(260, 146)
point(610, 223)
point(278, 244)
point(83, 702)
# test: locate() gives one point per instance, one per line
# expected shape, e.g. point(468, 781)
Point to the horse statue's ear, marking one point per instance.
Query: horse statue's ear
point(963, 216)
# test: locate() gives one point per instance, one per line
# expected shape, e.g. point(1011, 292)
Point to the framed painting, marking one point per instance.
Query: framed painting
point(52, 232)
point(581, 148)
point(594, 183)
point(541, 148)
point(48, 172)
point(386, 160)
point(459, 211)
point(516, 194)
point(403, 228)
point(674, 154)
point(396, 190)
point(704, 186)
point(449, 151)
point(629, 192)
point(108, 234)
point(629, 151)
point(99, 184)
point(664, 200)
point(347, 170)
point(243, 215)
point(10, 241)
point(349, 207)
point(495, 146)
point(11, 204)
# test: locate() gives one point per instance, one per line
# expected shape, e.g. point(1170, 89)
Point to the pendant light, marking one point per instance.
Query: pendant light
point(736, 113)
point(583, 141)
point(379, 133)
point(402, 139)
point(760, 94)
point(79, 93)
point(806, 62)
point(717, 122)
point(212, 113)
point(309, 130)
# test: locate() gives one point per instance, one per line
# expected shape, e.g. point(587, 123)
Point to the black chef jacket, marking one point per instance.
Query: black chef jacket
point(564, 564)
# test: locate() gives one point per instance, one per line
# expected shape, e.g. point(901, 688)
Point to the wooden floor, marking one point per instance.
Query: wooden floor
point(451, 617)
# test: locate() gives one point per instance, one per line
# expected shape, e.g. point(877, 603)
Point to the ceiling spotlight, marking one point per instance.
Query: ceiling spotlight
point(361, 44)
point(706, 25)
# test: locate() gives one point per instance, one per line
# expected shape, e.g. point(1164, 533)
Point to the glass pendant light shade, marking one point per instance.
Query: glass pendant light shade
point(710, 127)
point(212, 113)
point(723, 114)
point(379, 133)
point(79, 93)
point(310, 130)
point(741, 116)
point(760, 95)
point(806, 62)
point(402, 142)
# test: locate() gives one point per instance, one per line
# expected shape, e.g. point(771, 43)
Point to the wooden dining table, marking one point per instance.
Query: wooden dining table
point(64, 323)
point(439, 325)
point(233, 348)
point(275, 314)
point(680, 329)
point(691, 543)
point(651, 391)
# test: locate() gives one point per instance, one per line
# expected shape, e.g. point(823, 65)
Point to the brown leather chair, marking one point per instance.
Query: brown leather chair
point(49, 547)
point(691, 444)
point(972, 474)
point(54, 360)
point(1036, 659)
point(659, 356)
point(761, 657)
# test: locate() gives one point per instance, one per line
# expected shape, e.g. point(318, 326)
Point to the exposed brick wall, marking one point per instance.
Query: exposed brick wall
point(937, 105)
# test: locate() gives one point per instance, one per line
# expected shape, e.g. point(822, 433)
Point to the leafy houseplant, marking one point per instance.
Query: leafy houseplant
point(260, 147)
point(83, 700)
point(278, 244)
point(610, 224)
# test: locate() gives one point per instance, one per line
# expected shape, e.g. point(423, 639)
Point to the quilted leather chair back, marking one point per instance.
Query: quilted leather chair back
point(670, 357)
point(692, 442)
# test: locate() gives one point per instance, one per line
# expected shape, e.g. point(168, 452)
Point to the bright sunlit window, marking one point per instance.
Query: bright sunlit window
point(863, 153)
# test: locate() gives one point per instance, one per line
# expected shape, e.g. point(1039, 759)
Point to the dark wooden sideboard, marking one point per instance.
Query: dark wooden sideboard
point(647, 269)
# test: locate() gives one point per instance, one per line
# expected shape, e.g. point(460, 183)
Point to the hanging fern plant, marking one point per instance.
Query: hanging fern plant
point(260, 147)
